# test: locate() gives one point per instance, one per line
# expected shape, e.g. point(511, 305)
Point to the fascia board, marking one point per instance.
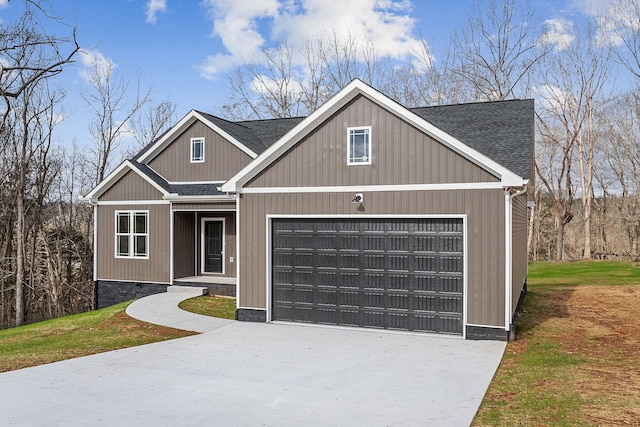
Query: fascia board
point(181, 126)
point(341, 98)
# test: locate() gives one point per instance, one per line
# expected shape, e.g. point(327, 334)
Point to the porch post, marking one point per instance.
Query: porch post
point(171, 243)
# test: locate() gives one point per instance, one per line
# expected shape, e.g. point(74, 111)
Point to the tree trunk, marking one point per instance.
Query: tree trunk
point(559, 238)
point(587, 229)
point(20, 255)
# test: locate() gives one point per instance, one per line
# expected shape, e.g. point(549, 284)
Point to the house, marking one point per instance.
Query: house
point(365, 213)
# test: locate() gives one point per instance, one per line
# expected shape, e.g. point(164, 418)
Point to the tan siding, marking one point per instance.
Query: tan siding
point(400, 154)
point(222, 158)
point(519, 248)
point(218, 206)
point(485, 236)
point(131, 187)
point(154, 269)
point(184, 244)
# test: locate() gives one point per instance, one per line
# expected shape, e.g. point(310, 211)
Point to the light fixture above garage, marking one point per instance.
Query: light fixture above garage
point(357, 198)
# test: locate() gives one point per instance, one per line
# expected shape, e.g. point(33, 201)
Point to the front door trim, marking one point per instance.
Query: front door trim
point(203, 222)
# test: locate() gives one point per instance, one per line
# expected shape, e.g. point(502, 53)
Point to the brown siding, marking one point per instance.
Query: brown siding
point(204, 206)
point(131, 187)
point(400, 153)
point(485, 236)
point(154, 269)
point(229, 237)
point(184, 244)
point(222, 158)
point(519, 247)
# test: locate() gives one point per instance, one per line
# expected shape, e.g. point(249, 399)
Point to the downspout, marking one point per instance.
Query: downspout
point(508, 198)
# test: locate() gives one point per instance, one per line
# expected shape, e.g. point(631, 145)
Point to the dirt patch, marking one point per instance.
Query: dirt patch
point(576, 361)
point(605, 329)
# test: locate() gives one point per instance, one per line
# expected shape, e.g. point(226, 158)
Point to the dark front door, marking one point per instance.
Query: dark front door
point(213, 250)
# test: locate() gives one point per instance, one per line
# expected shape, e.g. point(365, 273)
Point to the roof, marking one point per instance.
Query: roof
point(479, 142)
point(501, 130)
point(496, 135)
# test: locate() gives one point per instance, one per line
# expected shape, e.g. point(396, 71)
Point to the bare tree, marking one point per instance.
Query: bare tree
point(149, 123)
point(29, 54)
point(291, 80)
point(571, 85)
point(621, 29)
point(495, 52)
point(113, 111)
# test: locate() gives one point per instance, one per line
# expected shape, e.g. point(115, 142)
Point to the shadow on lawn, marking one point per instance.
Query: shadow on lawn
point(543, 303)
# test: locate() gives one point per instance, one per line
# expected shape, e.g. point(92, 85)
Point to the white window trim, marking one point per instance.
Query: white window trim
point(349, 160)
point(132, 235)
point(193, 142)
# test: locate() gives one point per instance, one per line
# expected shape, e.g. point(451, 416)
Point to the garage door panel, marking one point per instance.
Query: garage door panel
point(401, 274)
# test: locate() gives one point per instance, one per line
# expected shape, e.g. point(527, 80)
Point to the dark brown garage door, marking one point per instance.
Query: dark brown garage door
point(403, 274)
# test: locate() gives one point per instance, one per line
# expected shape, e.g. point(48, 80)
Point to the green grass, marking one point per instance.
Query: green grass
point(609, 273)
point(210, 305)
point(77, 335)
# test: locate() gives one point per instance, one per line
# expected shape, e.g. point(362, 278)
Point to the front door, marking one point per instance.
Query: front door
point(212, 246)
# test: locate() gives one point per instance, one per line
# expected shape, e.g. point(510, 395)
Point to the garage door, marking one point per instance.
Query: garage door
point(403, 274)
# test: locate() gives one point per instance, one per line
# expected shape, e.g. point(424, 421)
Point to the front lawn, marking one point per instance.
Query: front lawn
point(576, 357)
point(78, 335)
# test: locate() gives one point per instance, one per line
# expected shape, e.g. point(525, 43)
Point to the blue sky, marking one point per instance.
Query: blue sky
point(182, 49)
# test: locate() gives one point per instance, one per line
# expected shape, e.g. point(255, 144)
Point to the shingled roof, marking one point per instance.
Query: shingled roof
point(500, 130)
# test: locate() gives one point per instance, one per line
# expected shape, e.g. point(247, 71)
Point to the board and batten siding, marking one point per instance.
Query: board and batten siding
point(222, 159)
point(485, 236)
point(131, 187)
point(519, 249)
point(400, 154)
point(155, 269)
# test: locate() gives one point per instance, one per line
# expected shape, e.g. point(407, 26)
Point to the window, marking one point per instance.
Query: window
point(132, 234)
point(359, 146)
point(197, 150)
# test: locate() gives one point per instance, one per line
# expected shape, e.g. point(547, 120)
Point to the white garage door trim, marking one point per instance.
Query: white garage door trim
point(269, 278)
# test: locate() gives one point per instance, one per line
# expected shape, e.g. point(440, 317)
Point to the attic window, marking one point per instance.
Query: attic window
point(359, 145)
point(197, 150)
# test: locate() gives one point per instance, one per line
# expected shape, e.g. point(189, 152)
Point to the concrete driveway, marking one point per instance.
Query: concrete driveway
point(256, 374)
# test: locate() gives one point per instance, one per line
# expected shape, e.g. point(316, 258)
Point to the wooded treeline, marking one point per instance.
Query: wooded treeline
point(583, 73)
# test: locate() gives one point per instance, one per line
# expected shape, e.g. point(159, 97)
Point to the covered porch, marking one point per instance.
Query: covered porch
point(204, 246)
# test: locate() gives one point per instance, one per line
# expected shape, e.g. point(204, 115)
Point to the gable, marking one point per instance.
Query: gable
point(401, 154)
point(309, 125)
point(222, 159)
point(131, 186)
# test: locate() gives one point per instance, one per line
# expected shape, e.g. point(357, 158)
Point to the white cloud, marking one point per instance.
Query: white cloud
point(549, 97)
point(246, 26)
point(620, 20)
point(4, 3)
point(153, 8)
point(591, 7)
point(93, 59)
point(558, 33)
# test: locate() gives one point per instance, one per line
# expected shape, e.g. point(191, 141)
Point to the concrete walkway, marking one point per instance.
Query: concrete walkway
point(162, 309)
point(246, 374)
